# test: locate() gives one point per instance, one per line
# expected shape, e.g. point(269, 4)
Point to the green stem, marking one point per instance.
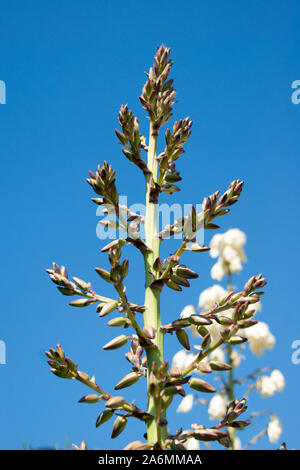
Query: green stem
point(231, 431)
point(152, 296)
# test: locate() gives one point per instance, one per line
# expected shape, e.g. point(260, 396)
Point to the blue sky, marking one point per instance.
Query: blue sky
point(68, 66)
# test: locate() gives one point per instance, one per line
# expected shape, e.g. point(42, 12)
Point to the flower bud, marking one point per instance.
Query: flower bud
point(115, 402)
point(200, 320)
point(81, 302)
point(108, 308)
point(219, 366)
point(183, 338)
point(128, 380)
point(103, 417)
point(237, 340)
point(201, 385)
point(118, 321)
point(206, 341)
point(90, 398)
point(116, 343)
point(119, 426)
point(103, 273)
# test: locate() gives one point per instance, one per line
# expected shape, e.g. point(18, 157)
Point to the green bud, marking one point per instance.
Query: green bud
point(225, 321)
point(172, 285)
point(103, 417)
point(119, 321)
point(206, 341)
point(183, 338)
point(90, 398)
point(104, 274)
point(124, 268)
point(239, 424)
point(219, 366)
point(201, 385)
point(116, 343)
point(108, 308)
point(237, 340)
point(202, 330)
point(128, 380)
point(81, 284)
point(81, 302)
point(119, 426)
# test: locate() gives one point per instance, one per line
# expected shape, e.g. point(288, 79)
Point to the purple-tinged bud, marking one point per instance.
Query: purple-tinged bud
point(175, 372)
point(90, 398)
point(149, 331)
point(115, 403)
point(204, 368)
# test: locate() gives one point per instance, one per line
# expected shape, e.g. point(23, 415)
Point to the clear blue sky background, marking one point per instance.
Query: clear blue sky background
point(68, 66)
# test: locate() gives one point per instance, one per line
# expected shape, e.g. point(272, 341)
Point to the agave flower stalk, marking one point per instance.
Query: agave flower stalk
point(146, 352)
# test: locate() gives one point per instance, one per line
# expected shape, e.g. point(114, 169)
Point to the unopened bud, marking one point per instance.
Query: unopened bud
point(201, 385)
point(119, 426)
point(237, 340)
point(219, 366)
point(183, 338)
point(90, 398)
point(108, 308)
point(128, 380)
point(116, 343)
point(103, 417)
point(115, 402)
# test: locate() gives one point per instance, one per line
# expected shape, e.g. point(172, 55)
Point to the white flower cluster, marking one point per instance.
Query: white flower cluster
point(260, 338)
point(268, 385)
point(274, 429)
point(228, 248)
point(217, 406)
point(182, 359)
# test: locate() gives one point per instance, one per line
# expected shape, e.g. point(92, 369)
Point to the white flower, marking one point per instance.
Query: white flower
point(265, 386)
point(237, 445)
point(217, 271)
point(186, 404)
point(274, 429)
point(228, 247)
point(236, 358)
point(192, 444)
point(182, 359)
point(216, 245)
point(209, 297)
point(187, 311)
point(260, 338)
point(278, 379)
point(235, 238)
point(217, 355)
point(217, 407)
